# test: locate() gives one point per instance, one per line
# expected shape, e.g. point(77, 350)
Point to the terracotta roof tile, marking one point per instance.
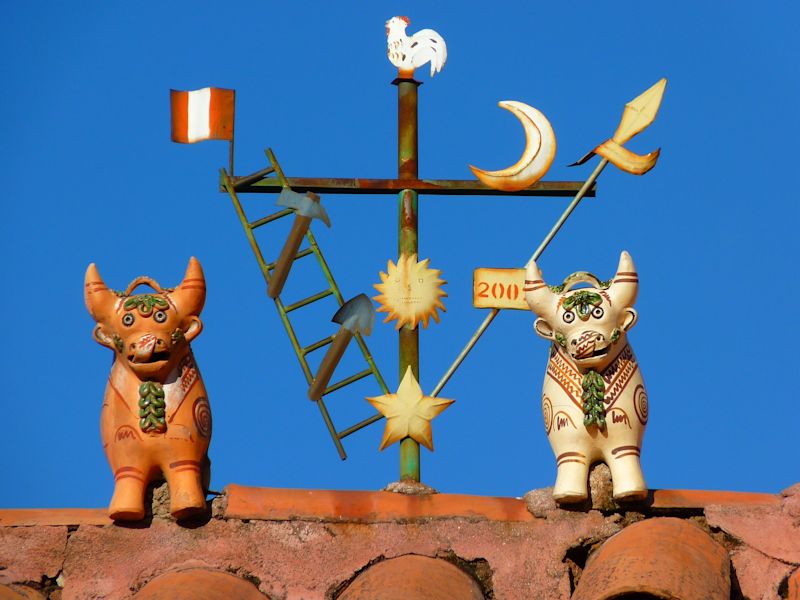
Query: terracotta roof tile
point(199, 584)
point(276, 504)
point(20, 517)
point(411, 576)
point(794, 586)
point(664, 557)
point(703, 498)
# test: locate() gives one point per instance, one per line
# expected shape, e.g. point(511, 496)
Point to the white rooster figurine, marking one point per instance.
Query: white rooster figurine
point(408, 53)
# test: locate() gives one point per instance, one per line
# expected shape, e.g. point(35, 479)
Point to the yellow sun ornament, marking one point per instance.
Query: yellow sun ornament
point(409, 412)
point(410, 292)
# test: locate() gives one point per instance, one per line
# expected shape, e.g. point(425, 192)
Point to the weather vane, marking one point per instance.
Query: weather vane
point(410, 290)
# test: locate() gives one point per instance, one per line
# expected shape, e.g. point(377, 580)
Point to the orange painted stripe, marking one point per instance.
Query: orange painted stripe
point(179, 103)
point(222, 110)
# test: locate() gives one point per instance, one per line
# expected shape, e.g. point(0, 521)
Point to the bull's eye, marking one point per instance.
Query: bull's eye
point(128, 319)
point(160, 316)
point(569, 316)
point(597, 312)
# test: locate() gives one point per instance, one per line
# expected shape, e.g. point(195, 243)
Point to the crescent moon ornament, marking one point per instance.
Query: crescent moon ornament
point(540, 149)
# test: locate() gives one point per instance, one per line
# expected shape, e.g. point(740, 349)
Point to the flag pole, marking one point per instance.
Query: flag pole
point(230, 156)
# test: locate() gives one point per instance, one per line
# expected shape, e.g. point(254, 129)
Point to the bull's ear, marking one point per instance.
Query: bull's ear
point(193, 328)
point(628, 318)
point(543, 329)
point(101, 337)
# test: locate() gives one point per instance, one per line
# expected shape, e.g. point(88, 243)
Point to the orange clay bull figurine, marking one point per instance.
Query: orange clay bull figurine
point(156, 418)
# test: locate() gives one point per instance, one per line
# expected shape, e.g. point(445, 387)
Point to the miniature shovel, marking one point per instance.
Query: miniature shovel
point(355, 316)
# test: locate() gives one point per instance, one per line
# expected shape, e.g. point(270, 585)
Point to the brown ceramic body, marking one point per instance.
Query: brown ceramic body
point(153, 348)
point(592, 340)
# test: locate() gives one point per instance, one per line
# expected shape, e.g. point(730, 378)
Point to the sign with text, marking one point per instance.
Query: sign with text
point(499, 288)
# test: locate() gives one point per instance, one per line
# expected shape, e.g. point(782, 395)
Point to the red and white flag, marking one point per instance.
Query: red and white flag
point(205, 114)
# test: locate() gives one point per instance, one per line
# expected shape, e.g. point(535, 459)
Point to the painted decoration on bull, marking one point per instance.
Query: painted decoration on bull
point(410, 292)
point(540, 150)
point(594, 402)
point(409, 412)
point(409, 53)
point(156, 419)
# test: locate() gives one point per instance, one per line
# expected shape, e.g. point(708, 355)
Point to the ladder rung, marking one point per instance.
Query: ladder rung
point(317, 345)
point(373, 419)
point(303, 253)
point(297, 256)
point(273, 217)
point(309, 300)
point(348, 381)
point(241, 182)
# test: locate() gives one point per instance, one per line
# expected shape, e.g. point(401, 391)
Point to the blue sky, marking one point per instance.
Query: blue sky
point(90, 175)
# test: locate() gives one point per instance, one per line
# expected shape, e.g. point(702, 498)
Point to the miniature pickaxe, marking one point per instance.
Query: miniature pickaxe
point(355, 316)
point(306, 207)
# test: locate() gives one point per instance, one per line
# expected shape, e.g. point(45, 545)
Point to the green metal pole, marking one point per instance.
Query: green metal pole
point(407, 168)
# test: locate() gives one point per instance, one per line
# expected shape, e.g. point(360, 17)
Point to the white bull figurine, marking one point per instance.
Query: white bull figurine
point(594, 401)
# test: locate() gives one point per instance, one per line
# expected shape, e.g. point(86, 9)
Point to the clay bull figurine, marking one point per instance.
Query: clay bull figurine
point(155, 418)
point(594, 401)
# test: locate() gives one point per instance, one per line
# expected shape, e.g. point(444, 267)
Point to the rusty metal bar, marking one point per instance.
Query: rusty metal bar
point(408, 241)
point(434, 187)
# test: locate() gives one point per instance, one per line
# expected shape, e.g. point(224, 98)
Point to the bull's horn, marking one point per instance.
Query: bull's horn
point(538, 296)
point(190, 295)
point(626, 282)
point(99, 300)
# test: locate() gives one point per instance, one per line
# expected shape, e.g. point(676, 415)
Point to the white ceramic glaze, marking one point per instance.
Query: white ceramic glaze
point(590, 351)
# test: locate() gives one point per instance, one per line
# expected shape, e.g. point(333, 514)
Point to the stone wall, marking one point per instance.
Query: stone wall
point(312, 544)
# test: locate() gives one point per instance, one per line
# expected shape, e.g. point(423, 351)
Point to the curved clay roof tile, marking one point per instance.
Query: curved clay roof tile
point(665, 558)
point(412, 576)
point(794, 586)
point(199, 584)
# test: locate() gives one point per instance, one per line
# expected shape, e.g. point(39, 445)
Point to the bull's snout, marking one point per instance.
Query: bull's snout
point(148, 348)
point(588, 344)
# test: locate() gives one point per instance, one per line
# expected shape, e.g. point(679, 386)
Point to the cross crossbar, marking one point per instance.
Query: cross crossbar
point(433, 187)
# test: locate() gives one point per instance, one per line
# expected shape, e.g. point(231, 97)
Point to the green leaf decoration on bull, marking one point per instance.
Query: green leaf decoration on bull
point(146, 304)
point(594, 389)
point(152, 408)
point(583, 301)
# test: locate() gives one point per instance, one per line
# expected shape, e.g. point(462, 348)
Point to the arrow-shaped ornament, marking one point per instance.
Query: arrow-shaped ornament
point(639, 113)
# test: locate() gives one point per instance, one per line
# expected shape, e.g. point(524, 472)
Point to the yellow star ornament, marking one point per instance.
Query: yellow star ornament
point(409, 412)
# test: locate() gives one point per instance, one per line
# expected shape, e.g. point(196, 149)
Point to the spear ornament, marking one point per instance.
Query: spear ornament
point(639, 113)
